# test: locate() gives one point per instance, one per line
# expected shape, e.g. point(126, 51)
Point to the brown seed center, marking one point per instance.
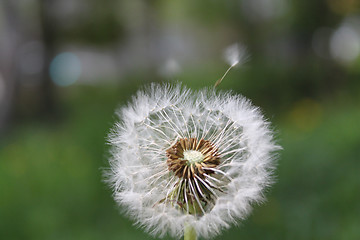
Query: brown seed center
point(189, 157)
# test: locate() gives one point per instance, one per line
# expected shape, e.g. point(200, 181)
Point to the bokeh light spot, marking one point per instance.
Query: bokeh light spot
point(306, 114)
point(65, 69)
point(345, 44)
point(263, 10)
point(343, 7)
point(170, 68)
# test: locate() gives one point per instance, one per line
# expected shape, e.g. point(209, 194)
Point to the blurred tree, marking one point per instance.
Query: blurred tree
point(48, 31)
point(12, 27)
point(46, 24)
point(92, 22)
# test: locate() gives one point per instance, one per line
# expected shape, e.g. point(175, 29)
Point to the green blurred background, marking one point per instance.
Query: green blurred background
point(65, 66)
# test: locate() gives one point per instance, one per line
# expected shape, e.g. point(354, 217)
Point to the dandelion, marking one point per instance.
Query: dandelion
point(193, 160)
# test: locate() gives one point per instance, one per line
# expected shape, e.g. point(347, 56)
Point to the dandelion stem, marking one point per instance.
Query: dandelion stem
point(189, 232)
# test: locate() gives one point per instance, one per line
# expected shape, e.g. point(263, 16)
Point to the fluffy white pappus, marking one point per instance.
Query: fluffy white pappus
point(236, 54)
point(164, 185)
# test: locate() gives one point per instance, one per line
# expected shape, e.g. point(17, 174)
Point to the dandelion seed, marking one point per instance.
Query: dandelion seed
point(234, 54)
point(183, 158)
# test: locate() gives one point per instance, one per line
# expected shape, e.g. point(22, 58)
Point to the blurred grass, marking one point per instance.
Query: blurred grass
point(51, 185)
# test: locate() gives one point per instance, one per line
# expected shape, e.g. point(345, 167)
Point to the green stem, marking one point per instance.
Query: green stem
point(220, 80)
point(189, 233)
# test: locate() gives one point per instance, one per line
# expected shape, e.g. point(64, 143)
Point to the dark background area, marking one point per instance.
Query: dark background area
point(65, 66)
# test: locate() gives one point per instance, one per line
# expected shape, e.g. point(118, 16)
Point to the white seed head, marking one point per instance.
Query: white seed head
point(182, 157)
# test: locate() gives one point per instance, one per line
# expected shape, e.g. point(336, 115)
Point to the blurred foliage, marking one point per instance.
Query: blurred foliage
point(51, 169)
point(99, 25)
point(51, 174)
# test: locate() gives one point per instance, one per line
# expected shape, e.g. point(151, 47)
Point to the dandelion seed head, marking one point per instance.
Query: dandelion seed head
point(189, 157)
point(193, 156)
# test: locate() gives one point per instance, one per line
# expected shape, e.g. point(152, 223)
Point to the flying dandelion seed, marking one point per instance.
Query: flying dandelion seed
point(189, 158)
point(235, 54)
